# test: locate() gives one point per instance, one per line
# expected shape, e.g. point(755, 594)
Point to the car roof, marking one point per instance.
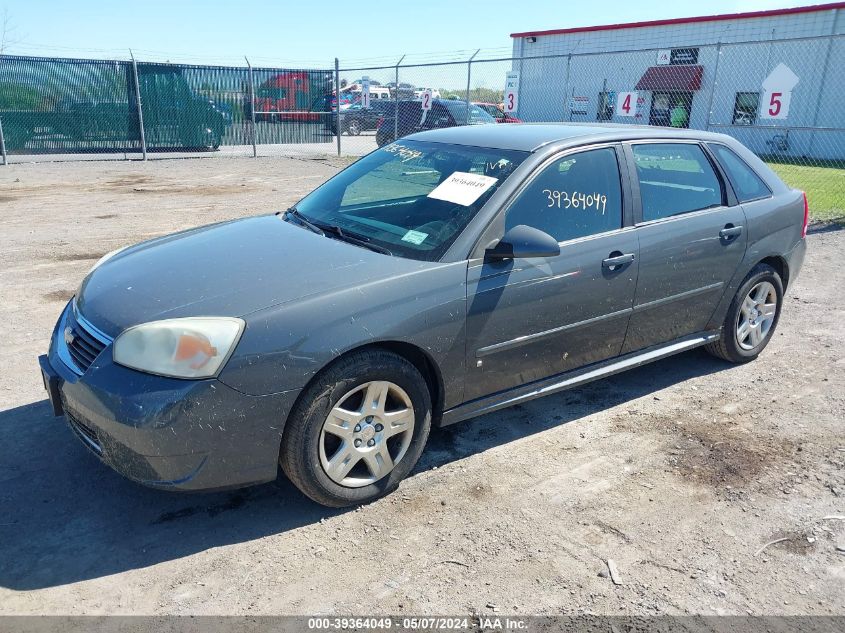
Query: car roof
point(530, 137)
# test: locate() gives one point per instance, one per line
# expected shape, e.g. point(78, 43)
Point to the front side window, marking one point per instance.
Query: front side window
point(575, 196)
point(746, 183)
point(675, 178)
point(412, 197)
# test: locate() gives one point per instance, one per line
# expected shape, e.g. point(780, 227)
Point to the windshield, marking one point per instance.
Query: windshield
point(411, 197)
point(458, 110)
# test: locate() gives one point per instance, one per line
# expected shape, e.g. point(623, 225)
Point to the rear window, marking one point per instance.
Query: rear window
point(746, 183)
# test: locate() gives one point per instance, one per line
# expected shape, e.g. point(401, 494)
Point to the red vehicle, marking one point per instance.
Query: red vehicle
point(497, 112)
point(289, 96)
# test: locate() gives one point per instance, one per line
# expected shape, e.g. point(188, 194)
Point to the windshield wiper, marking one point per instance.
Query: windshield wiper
point(353, 238)
point(303, 221)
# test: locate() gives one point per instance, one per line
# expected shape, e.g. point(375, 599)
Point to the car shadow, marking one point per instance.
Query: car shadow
point(67, 517)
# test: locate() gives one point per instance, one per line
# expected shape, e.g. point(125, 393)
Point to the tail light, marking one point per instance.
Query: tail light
point(806, 215)
point(380, 121)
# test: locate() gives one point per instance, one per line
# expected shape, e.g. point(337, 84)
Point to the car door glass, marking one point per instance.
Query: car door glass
point(575, 196)
point(746, 183)
point(675, 178)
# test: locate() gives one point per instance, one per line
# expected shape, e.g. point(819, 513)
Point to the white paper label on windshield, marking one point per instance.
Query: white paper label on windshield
point(462, 188)
point(415, 237)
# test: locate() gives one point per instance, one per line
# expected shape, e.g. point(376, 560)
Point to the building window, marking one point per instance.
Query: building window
point(745, 108)
point(605, 110)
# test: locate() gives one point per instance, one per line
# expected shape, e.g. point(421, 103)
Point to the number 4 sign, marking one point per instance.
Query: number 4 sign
point(626, 104)
point(777, 93)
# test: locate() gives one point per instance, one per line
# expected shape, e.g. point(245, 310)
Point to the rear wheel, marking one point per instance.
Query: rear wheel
point(752, 317)
point(358, 430)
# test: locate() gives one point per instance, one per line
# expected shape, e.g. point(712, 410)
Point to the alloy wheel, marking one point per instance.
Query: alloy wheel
point(756, 315)
point(367, 432)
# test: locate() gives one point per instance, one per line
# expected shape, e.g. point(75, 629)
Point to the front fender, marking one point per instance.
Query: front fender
point(284, 346)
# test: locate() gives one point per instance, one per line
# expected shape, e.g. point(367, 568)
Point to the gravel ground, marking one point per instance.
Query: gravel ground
point(681, 472)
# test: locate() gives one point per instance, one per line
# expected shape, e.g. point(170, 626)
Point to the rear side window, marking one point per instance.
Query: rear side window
point(576, 196)
point(746, 183)
point(675, 178)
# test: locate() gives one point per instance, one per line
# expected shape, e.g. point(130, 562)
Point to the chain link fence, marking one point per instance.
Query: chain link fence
point(782, 98)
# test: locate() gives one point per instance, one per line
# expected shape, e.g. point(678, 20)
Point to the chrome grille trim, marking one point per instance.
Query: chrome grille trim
point(87, 341)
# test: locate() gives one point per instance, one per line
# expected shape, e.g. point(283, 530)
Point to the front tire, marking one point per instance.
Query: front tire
point(752, 317)
point(357, 430)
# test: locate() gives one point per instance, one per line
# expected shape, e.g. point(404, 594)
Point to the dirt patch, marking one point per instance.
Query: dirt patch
point(59, 295)
point(77, 257)
point(107, 216)
point(8, 198)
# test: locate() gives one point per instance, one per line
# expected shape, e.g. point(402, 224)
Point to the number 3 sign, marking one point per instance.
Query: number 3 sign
point(777, 93)
point(511, 92)
point(626, 104)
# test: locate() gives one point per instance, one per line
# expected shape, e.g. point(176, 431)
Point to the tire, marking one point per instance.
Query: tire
point(308, 447)
point(354, 128)
point(729, 347)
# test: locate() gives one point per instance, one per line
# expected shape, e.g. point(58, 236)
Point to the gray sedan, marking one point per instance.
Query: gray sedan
point(445, 275)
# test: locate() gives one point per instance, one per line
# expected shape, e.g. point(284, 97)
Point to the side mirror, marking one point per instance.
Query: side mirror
point(524, 241)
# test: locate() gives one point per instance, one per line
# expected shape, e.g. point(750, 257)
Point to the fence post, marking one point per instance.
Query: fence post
point(469, 76)
point(713, 85)
point(138, 102)
point(2, 142)
point(396, 102)
point(337, 101)
point(251, 107)
point(566, 88)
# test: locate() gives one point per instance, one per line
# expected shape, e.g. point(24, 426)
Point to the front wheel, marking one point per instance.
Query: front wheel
point(752, 316)
point(358, 430)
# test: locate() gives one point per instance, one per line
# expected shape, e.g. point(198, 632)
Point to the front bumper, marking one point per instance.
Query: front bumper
point(166, 432)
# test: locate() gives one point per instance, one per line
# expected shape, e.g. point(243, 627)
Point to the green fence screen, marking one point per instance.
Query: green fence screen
point(50, 105)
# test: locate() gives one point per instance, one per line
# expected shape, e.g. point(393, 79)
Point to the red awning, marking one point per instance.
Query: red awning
point(681, 78)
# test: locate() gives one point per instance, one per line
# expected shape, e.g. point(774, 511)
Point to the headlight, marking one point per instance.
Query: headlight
point(105, 258)
point(195, 347)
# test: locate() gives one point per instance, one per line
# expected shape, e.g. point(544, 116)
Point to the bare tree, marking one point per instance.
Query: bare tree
point(7, 32)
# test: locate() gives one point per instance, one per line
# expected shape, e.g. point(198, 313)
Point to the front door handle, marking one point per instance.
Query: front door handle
point(730, 232)
point(617, 260)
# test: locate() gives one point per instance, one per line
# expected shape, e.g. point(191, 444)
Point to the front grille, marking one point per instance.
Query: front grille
point(82, 341)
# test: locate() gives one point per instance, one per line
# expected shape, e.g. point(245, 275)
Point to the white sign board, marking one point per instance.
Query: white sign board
point(777, 93)
point(511, 92)
point(462, 188)
point(626, 104)
point(664, 56)
point(365, 92)
point(425, 97)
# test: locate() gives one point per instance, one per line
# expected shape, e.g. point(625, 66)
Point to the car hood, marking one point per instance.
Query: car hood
point(228, 269)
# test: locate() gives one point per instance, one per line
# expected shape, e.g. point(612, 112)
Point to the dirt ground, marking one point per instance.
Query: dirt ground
point(681, 472)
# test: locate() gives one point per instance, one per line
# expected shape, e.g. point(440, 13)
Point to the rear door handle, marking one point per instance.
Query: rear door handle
point(617, 261)
point(730, 232)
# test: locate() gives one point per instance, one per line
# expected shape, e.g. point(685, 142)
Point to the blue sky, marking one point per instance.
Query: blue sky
point(313, 33)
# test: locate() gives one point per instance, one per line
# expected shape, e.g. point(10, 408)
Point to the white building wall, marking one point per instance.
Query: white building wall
point(818, 101)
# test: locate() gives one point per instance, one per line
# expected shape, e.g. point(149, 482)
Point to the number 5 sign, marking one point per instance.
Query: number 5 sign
point(777, 93)
point(626, 104)
point(511, 92)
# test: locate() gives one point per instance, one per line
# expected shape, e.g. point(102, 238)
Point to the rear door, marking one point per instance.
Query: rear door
point(531, 318)
point(692, 238)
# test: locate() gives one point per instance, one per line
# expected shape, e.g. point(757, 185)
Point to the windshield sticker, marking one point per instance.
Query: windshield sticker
point(405, 153)
point(415, 237)
point(576, 200)
point(462, 188)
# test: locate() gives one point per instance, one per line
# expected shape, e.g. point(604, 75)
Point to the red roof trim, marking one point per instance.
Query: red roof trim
point(701, 18)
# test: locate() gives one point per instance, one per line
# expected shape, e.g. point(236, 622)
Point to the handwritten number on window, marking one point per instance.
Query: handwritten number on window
point(576, 200)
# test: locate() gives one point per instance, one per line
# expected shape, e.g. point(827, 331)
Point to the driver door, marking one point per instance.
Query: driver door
point(528, 319)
